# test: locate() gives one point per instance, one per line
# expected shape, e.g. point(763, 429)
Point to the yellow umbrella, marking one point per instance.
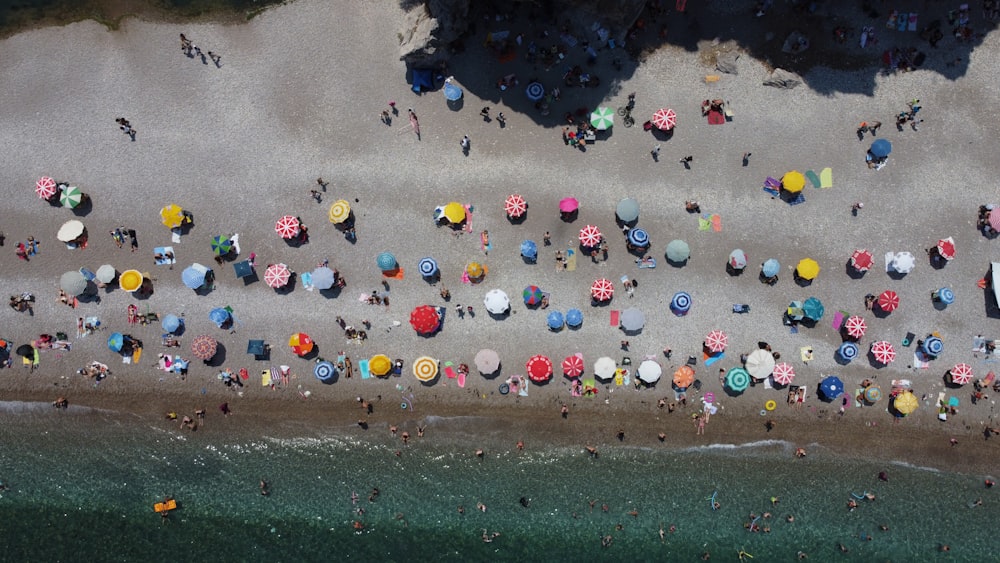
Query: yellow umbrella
point(454, 212)
point(380, 365)
point(339, 211)
point(807, 269)
point(425, 368)
point(905, 403)
point(475, 270)
point(130, 280)
point(172, 216)
point(793, 181)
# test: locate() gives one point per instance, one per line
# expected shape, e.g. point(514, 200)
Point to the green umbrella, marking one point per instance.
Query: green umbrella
point(813, 309)
point(678, 251)
point(602, 118)
point(71, 197)
point(737, 380)
point(221, 245)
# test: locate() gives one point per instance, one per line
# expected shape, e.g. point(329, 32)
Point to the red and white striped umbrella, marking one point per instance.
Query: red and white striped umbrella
point(572, 366)
point(277, 275)
point(590, 236)
point(883, 352)
point(783, 374)
point(515, 206)
point(716, 341)
point(888, 301)
point(664, 119)
point(961, 374)
point(287, 226)
point(855, 326)
point(862, 260)
point(602, 289)
point(946, 248)
point(45, 188)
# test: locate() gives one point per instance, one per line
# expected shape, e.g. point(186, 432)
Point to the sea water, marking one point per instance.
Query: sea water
point(81, 485)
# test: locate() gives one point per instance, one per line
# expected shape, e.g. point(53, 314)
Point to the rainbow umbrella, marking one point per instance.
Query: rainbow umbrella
point(532, 295)
point(873, 394)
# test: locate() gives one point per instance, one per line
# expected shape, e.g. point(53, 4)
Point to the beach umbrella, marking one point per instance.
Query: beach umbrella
point(946, 296)
point(627, 210)
point(568, 205)
point(632, 319)
point(649, 371)
point(130, 280)
point(425, 319)
point(638, 237)
point(45, 188)
point(487, 361)
point(219, 316)
point(831, 387)
point(193, 276)
point(324, 370)
point(716, 341)
point(301, 344)
point(932, 346)
point(515, 206)
point(529, 249)
point(277, 275)
point(903, 262)
point(590, 236)
point(116, 341)
point(172, 216)
point(339, 212)
point(287, 227)
point(862, 260)
point(760, 363)
point(680, 304)
point(496, 302)
point(425, 368)
point(873, 394)
point(961, 374)
point(71, 197)
point(535, 91)
point(770, 268)
point(539, 368)
point(452, 93)
point(454, 212)
point(880, 148)
point(807, 269)
point(106, 273)
point(664, 119)
point(605, 368)
point(475, 270)
point(793, 181)
point(905, 403)
point(888, 301)
point(678, 251)
point(737, 380)
point(946, 248)
point(855, 326)
point(532, 295)
point(883, 352)
point(602, 118)
point(813, 309)
point(70, 231)
point(386, 262)
point(379, 365)
point(221, 245)
point(848, 351)
point(572, 366)
point(204, 347)
point(574, 317)
point(171, 323)
point(602, 290)
point(683, 377)
point(555, 320)
point(738, 259)
point(73, 283)
point(323, 278)
point(427, 266)
point(783, 373)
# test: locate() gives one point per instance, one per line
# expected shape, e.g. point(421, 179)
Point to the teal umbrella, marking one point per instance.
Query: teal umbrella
point(627, 210)
point(386, 262)
point(737, 379)
point(221, 245)
point(813, 309)
point(678, 251)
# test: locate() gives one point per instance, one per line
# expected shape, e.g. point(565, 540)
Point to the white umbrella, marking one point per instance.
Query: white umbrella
point(903, 262)
point(497, 302)
point(760, 363)
point(70, 231)
point(106, 273)
point(487, 361)
point(650, 371)
point(604, 368)
point(73, 283)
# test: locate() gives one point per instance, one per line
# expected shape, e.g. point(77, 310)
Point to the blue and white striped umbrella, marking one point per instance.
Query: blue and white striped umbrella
point(770, 268)
point(529, 249)
point(933, 346)
point(574, 317)
point(946, 296)
point(556, 320)
point(427, 266)
point(681, 303)
point(848, 351)
point(324, 370)
point(638, 237)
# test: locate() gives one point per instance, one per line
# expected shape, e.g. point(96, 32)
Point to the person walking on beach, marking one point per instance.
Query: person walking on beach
point(485, 112)
point(316, 195)
point(215, 59)
point(501, 120)
point(414, 123)
point(655, 153)
point(466, 144)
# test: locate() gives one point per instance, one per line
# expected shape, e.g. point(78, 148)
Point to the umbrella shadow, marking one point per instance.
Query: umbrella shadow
point(432, 382)
point(84, 209)
point(879, 312)
point(332, 379)
point(312, 354)
point(456, 105)
point(219, 359)
point(499, 316)
point(247, 279)
point(288, 287)
point(801, 281)
point(730, 392)
point(734, 272)
point(937, 261)
point(145, 290)
point(494, 374)
point(207, 288)
point(520, 219)
point(893, 274)
point(570, 216)
point(853, 272)
point(332, 292)
point(678, 264)
point(948, 383)
point(635, 332)
point(807, 322)
point(529, 261)
point(873, 362)
point(571, 327)
point(767, 280)
point(661, 135)
point(938, 305)
point(639, 251)
point(598, 303)
point(822, 396)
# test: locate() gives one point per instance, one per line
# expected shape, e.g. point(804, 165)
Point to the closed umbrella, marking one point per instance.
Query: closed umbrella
point(572, 366)
point(287, 227)
point(807, 269)
point(386, 262)
point(300, 343)
point(539, 368)
point(905, 403)
point(716, 341)
point(638, 237)
point(848, 351)
point(737, 380)
point(880, 148)
point(106, 273)
point(960, 374)
point(340, 211)
point(425, 368)
point(683, 377)
point(605, 368)
point(813, 309)
point(738, 259)
point(427, 266)
point(793, 181)
point(532, 295)
point(770, 268)
point(487, 361)
point(783, 373)
point(602, 290)
point(555, 320)
point(932, 346)
point(632, 320)
point(627, 210)
point(324, 371)
point(277, 276)
point(219, 316)
point(602, 118)
point(194, 276)
point(71, 197)
point(568, 205)
point(883, 352)
point(590, 236)
point(678, 251)
point(515, 206)
point(73, 283)
point(204, 347)
point(760, 363)
point(425, 319)
point(903, 262)
point(323, 278)
point(664, 119)
point(529, 249)
point(831, 387)
point(888, 301)
point(496, 302)
point(862, 260)
point(946, 248)
point(171, 323)
point(855, 326)
point(650, 371)
point(574, 317)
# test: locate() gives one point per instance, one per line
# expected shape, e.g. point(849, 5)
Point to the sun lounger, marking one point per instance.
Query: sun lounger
point(363, 368)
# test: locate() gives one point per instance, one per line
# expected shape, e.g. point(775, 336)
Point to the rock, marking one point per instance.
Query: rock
point(430, 27)
point(726, 62)
point(781, 78)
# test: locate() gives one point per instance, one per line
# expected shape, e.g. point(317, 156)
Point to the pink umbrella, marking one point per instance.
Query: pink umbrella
point(664, 119)
point(573, 365)
point(515, 206)
point(946, 248)
point(287, 226)
point(862, 260)
point(888, 301)
point(883, 352)
point(602, 289)
point(45, 187)
point(568, 205)
point(590, 236)
point(277, 275)
point(961, 374)
point(783, 373)
point(855, 326)
point(716, 341)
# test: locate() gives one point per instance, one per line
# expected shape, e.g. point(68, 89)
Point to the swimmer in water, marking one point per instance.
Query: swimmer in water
point(633, 513)
point(852, 504)
point(520, 445)
point(883, 527)
point(481, 507)
point(264, 488)
point(789, 518)
point(354, 497)
point(663, 533)
point(461, 509)
point(801, 555)
point(525, 502)
point(870, 496)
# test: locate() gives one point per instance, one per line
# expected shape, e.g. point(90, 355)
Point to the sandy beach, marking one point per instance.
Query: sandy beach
point(297, 95)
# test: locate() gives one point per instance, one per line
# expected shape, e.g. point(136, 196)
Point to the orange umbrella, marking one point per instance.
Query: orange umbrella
point(684, 377)
point(301, 343)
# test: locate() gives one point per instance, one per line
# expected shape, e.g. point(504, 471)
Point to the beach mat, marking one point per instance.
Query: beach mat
point(799, 198)
point(363, 368)
point(838, 319)
point(826, 178)
point(814, 178)
point(614, 318)
point(716, 118)
point(570, 259)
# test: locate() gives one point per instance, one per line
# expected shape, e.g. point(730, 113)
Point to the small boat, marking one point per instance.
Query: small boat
point(165, 506)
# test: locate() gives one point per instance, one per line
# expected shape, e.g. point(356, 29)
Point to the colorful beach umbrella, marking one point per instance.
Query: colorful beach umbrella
point(454, 212)
point(632, 319)
point(572, 366)
point(793, 181)
point(425, 319)
point(386, 262)
point(568, 205)
point(221, 245)
point(219, 316)
point(487, 361)
point(678, 251)
point(45, 188)
point(574, 317)
point(807, 269)
point(848, 351)
point(427, 266)
point(590, 236)
point(680, 304)
point(946, 296)
point(277, 275)
point(602, 118)
point(888, 301)
point(716, 341)
point(737, 380)
point(379, 365)
point(683, 377)
point(71, 197)
point(204, 347)
point(627, 210)
point(903, 262)
point(883, 352)
point(287, 227)
point(324, 370)
point(529, 249)
point(813, 309)
point(649, 371)
point(770, 268)
point(862, 260)
point(961, 374)
point(532, 295)
point(475, 270)
point(496, 302)
point(605, 368)
point(340, 211)
point(425, 368)
point(555, 320)
point(905, 403)
point(73, 282)
point(873, 394)
point(737, 259)
point(171, 323)
point(831, 387)
point(855, 326)
point(945, 248)
point(602, 290)
point(760, 363)
point(932, 346)
point(515, 206)
point(783, 373)
point(664, 119)
point(300, 343)
point(116, 341)
point(539, 368)
point(172, 216)
point(638, 237)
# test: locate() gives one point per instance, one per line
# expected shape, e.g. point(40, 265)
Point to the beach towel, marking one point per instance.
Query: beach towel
point(484, 244)
point(709, 360)
point(901, 21)
point(806, 354)
point(912, 25)
point(772, 191)
point(918, 362)
point(136, 354)
point(468, 218)
point(614, 318)
point(396, 274)
point(859, 394)
point(814, 178)
point(716, 222)
point(265, 378)
point(449, 370)
point(826, 178)
point(461, 379)
point(772, 183)
point(799, 198)
point(175, 237)
point(163, 251)
point(704, 224)
point(838, 319)
point(716, 118)
point(363, 368)
point(570, 259)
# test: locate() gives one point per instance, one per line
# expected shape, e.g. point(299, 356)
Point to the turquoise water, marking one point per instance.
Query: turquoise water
point(82, 484)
